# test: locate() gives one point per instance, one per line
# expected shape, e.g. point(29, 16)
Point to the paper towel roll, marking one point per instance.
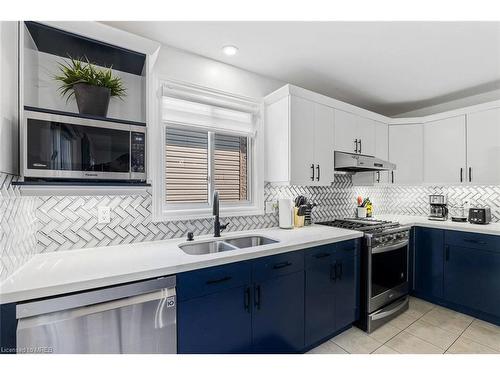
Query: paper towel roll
point(285, 208)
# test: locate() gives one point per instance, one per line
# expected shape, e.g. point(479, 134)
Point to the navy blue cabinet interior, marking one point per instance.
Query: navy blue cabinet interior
point(459, 270)
point(278, 304)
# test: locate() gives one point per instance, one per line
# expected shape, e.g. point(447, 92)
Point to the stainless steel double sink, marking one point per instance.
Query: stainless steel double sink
point(227, 244)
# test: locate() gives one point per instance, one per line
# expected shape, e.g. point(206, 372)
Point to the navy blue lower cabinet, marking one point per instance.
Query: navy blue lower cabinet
point(216, 323)
point(346, 285)
point(319, 294)
point(278, 315)
point(429, 262)
point(331, 290)
point(472, 278)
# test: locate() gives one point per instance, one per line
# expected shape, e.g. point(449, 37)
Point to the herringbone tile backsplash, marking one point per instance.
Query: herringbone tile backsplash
point(30, 225)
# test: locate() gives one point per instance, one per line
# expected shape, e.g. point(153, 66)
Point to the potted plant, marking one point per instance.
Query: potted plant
point(92, 86)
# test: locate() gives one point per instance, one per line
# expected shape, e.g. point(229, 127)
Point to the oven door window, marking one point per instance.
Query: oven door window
point(67, 147)
point(389, 270)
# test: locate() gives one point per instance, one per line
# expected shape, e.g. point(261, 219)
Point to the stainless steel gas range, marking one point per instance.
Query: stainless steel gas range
point(384, 269)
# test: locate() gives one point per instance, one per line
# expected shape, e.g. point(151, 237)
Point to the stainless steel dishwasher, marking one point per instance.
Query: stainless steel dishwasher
point(132, 318)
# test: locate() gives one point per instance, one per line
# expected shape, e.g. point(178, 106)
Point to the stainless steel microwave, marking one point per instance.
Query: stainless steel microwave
point(65, 147)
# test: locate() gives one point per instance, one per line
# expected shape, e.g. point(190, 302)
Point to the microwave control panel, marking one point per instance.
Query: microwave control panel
point(138, 152)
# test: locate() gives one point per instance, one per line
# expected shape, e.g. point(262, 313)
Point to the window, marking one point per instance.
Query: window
point(207, 141)
point(189, 157)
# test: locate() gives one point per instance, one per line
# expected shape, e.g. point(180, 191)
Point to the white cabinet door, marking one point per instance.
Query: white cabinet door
point(323, 144)
point(444, 151)
point(483, 147)
point(346, 131)
point(277, 141)
point(9, 121)
point(302, 166)
point(382, 149)
point(406, 151)
point(366, 135)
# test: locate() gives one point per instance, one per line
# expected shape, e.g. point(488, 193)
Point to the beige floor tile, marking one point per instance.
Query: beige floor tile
point(448, 320)
point(484, 333)
point(432, 334)
point(385, 333)
point(405, 319)
point(356, 341)
point(406, 343)
point(421, 306)
point(466, 346)
point(384, 349)
point(327, 347)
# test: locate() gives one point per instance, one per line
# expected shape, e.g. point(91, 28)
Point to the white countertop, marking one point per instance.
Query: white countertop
point(423, 221)
point(75, 270)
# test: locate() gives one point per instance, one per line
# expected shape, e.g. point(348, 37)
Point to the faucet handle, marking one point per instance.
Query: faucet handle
point(190, 236)
point(224, 226)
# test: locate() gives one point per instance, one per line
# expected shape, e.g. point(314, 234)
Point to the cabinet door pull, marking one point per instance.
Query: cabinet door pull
point(247, 299)
point(341, 271)
point(356, 146)
point(312, 167)
point(392, 174)
point(461, 175)
point(475, 241)
point(378, 176)
point(277, 266)
point(257, 297)
point(321, 255)
point(470, 174)
point(217, 281)
point(333, 272)
point(317, 170)
point(360, 146)
point(447, 253)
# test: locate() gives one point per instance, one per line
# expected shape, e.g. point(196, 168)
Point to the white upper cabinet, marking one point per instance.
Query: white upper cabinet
point(382, 149)
point(354, 134)
point(299, 142)
point(483, 146)
point(444, 151)
point(302, 163)
point(324, 133)
point(406, 151)
point(9, 121)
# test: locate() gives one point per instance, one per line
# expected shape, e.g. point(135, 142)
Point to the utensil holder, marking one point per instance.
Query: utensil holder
point(361, 212)
point(298, 221)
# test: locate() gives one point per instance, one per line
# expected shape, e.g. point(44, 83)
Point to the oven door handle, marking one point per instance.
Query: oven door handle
point(384, 249)
point(387, 313)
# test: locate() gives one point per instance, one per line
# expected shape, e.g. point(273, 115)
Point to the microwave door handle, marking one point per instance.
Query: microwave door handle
point(385, 249)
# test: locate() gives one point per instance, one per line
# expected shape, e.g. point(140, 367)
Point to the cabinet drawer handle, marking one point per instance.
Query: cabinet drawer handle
point(312, 167)
point(257, 297)
point(317, 169)
point(321, 255)
point(282, 265)
point(475, 241)
point(247, 299)
point(217, 281)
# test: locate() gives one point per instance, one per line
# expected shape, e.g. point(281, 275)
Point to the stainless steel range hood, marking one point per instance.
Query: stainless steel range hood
point(347, 162)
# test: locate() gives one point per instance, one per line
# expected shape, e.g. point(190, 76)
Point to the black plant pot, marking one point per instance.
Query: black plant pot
point(92, 100)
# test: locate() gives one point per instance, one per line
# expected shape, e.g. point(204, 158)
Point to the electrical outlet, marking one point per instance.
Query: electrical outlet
point(103, 214)
point(270, 207)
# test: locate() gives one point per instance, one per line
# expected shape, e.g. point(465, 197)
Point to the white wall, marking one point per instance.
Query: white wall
point(183, 66)
point(453, 104)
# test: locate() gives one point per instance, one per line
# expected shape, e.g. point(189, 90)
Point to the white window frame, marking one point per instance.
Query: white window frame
point(156, 148)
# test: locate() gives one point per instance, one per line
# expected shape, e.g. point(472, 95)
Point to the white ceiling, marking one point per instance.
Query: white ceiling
point(387, 67)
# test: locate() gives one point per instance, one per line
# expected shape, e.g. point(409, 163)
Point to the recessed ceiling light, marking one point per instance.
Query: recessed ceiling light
point(230, 50)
